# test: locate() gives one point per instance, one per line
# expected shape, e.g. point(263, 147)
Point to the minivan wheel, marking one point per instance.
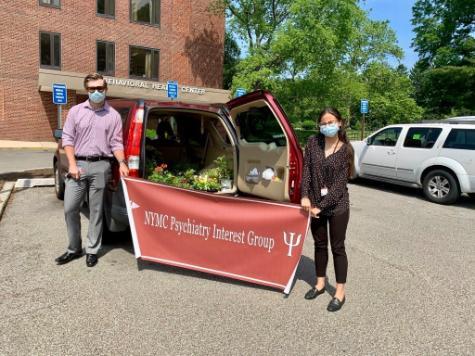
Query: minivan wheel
point(58, 183)
point(441, 187)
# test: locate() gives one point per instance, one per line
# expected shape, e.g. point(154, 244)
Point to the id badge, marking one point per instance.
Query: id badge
point(323, 191)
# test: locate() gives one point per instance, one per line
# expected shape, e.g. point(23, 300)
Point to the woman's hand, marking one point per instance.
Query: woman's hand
point(314, 212)
point(305, 203)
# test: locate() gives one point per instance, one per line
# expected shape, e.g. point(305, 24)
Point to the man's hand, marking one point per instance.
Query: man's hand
point(123, 169)
point(305, 203)
point(74, 172)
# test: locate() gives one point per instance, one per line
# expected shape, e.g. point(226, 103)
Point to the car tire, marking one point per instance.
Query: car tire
point(441, 187)
point(59, 185)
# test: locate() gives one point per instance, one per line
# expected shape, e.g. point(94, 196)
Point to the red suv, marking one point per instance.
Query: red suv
point(251, 131)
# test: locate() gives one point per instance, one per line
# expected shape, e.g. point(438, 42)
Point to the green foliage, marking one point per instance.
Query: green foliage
point(308, 125)
point(317, 53)
point(231, 59)
point(182, 177)
point(444, 75)
point(447, 91)
point(444, 32)
point(254, 21)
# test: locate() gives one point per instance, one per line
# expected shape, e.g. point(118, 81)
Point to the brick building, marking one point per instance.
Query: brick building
point(138, 44)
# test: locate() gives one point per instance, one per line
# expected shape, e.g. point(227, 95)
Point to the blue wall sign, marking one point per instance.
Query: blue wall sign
point(364, 106)
point(240, 92)
point(60, 94)
point(172, 89)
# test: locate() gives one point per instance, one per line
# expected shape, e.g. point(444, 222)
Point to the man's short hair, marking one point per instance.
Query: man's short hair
point(94, 76)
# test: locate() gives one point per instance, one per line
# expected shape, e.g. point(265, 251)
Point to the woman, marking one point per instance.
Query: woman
point(327, 166)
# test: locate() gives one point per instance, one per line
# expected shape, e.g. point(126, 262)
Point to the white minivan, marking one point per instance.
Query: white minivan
point(437, 156)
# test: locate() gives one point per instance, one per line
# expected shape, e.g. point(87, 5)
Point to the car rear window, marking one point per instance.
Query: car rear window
point(422, 137)
point(258, 124)
point(124, 113)
point(463, 139)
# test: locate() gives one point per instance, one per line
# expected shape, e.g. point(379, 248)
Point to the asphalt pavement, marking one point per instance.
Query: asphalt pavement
point(409, 292)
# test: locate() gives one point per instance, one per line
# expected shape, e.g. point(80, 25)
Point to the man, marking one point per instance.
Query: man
point(92, 137)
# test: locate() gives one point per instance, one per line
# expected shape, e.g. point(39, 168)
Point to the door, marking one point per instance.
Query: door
point(270, 157)
point(419, 145)
point(379, 156)
point(460, 146)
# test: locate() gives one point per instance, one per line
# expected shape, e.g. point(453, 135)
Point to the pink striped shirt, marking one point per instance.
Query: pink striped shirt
point(93, 132)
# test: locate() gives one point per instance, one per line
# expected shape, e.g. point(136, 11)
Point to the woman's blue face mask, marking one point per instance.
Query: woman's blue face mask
point(329, 130)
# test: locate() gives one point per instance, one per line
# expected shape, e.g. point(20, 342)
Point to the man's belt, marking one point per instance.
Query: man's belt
point(93, 158)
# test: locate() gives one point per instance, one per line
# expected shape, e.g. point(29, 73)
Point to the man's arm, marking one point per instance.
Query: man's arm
point(123, 168)
point(118, 148)
point(69, 132)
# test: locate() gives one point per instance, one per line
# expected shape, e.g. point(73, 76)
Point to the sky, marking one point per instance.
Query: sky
point(399, 14)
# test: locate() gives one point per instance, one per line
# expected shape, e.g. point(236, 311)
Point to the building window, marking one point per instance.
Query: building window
point(50, 50)
point(105, 53)
point(145, 11)
point(106, 7)
point(143, 63)
point(50, 3)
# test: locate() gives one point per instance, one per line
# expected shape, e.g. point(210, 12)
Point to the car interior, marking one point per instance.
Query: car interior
point(263, 152)
point(184, 139)
point(193, 139)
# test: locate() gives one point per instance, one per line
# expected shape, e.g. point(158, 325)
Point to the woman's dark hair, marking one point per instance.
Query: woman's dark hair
point(342, 136)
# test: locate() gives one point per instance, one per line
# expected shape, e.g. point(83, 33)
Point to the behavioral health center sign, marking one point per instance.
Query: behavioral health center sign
point(255, 241)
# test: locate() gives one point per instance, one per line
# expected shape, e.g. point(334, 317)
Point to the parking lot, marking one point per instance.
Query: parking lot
point(410, 290)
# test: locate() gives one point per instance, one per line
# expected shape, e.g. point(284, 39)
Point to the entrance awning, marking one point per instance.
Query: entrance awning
point(132, 88)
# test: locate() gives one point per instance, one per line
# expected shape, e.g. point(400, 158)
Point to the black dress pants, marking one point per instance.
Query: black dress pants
point(338, 224)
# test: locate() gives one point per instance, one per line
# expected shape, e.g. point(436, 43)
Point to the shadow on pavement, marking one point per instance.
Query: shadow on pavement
point(463, 202)
point(305, 269)
point(148, 265)
point(116, 240)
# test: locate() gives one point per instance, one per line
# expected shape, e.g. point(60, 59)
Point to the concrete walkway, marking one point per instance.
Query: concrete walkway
point(20, 159)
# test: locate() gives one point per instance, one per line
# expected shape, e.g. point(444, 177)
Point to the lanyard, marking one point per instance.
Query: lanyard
point(334, 148)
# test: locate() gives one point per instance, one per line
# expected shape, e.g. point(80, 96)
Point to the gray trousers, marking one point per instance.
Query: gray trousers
point(91, 185)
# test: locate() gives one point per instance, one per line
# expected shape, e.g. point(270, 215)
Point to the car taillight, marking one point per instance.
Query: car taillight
point(132, 151)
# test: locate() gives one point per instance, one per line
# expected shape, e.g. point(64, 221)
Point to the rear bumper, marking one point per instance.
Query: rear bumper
point(115, 210)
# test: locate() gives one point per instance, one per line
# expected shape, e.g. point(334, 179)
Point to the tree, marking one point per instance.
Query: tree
point(444, 75)
point(444, 32)
point(390, 94)
point(231, 59)
point(314, 54)
point(254, 21)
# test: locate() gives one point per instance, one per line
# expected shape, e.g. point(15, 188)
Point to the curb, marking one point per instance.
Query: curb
point(5, 193)
point(34, 182)
point(21, 145)
point(31, 173)
point(9, 187)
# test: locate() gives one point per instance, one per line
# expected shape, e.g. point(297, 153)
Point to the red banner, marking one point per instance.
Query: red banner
point(250, 240)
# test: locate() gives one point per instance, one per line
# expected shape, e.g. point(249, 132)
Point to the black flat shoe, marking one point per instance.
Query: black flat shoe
point(313, 293)
point(91, 260)
point(67, 257)
point(335, 304)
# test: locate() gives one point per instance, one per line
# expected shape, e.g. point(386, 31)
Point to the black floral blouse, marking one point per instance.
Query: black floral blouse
point(330, 172)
